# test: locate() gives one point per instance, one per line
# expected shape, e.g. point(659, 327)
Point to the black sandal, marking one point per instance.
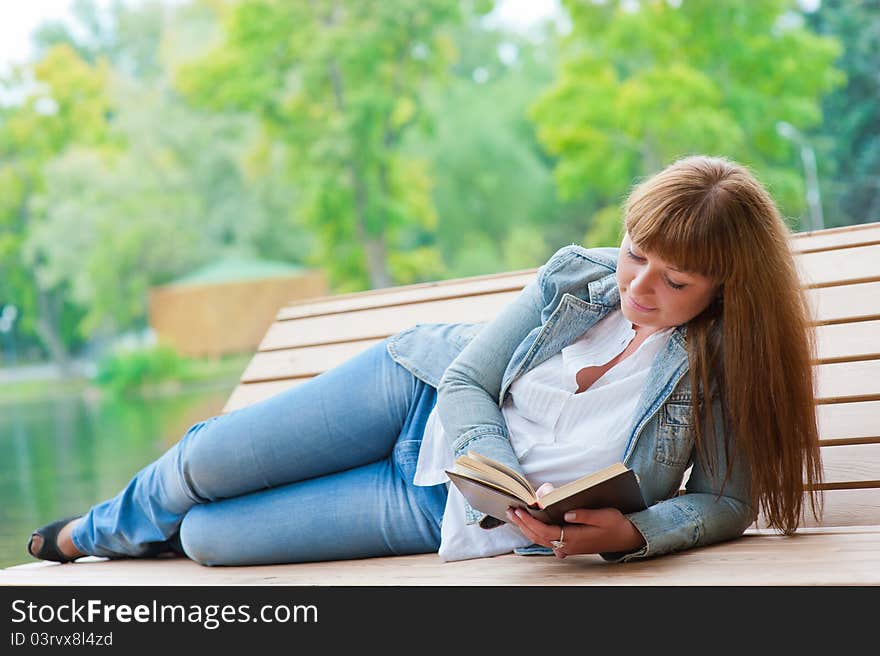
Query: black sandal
point(49, 550)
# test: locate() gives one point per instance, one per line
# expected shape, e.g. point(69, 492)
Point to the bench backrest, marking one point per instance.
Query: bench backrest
point(839, 267)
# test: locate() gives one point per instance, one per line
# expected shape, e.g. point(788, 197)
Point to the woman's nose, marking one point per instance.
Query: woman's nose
point(641, 284)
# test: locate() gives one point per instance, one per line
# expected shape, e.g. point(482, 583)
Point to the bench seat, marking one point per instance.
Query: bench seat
point(840, 270)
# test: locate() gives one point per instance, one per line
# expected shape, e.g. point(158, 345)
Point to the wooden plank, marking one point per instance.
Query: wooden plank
point(853, 302)
point(514, 280)
point(833, 238)
point(837, 267)
point(848, 381)
point(394, 296)
point(302, 362)
point(836, 343)
point(860, 507)
point(380, 322)
point(849, 421)
point(839, 557)
point(507, 281)
point(855, 463)
point(249, 393)
point(848, 341)
point(846, 303)
point(835, 382)
point(844, 467)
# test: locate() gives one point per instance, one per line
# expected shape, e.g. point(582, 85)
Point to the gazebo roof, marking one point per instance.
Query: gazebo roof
point(236, 269)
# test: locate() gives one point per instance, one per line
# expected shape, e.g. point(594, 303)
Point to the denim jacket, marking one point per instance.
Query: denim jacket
point(473, 365)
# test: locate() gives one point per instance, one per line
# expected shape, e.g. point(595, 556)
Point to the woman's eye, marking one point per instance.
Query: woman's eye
point(640, 259)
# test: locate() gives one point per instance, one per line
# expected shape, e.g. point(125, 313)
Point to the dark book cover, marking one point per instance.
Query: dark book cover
point(621, 491)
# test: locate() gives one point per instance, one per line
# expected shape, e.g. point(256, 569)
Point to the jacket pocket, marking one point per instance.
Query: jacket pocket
point(675, 438)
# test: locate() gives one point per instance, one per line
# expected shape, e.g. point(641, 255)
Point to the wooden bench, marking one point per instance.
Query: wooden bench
point(840, 269)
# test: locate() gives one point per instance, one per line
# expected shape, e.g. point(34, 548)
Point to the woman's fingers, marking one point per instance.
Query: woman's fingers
point(584, 516)
point(534, 529)
point(544, 489)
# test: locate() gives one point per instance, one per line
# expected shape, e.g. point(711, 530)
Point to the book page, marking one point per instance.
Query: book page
point(503, 468)
point(473, 468)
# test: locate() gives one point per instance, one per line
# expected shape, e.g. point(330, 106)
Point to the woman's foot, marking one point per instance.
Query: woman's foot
point(54, 542)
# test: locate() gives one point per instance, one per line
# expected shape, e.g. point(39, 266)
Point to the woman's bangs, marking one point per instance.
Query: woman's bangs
point(681, 239)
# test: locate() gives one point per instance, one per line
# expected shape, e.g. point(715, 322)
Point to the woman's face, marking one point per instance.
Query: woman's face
point(671, 297)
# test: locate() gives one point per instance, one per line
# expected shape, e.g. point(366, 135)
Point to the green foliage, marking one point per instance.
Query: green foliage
point(493, 189)
point(848, 141)
point(390, 141)
point(158, 369)
point(638, 89)
point(132, 370)
point(68, 106)
point(114, 185)
point(340, 85)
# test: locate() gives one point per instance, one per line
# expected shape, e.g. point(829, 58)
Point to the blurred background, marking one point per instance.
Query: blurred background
point(172, 172)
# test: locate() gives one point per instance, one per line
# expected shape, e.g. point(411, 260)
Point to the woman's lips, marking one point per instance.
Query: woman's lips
point(636, 306)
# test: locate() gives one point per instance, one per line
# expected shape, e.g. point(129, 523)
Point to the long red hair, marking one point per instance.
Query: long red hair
point(754, 343)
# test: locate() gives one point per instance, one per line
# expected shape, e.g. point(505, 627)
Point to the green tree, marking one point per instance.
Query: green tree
point(341, 85)
point(493, 185)
point(643, 83)
point(65, 106)
point(181, 188)
point(850, 134)
point(128, 36)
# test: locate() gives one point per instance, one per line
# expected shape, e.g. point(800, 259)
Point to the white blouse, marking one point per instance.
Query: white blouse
point(557, 434)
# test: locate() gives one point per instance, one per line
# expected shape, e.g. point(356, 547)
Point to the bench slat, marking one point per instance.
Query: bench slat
point(395, 296)
point(838, 267)
point(848, 381)
point(855, 463)
point(381, 322)
point(247, 393)
point(859, 302)
point(849, 421)
point(831, 238)
point(836, 343)
point(836, 381)
point(514, 280)
point(850, 303)
point(843, 508)
point(305, 361)
point(848, 341)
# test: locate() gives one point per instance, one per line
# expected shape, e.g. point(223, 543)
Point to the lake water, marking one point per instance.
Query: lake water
point(60, 456)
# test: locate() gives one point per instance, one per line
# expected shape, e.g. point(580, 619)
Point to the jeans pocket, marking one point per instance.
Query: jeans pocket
point(406, 457)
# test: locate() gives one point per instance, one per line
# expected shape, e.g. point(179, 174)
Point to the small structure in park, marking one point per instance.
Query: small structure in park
point(227, 306)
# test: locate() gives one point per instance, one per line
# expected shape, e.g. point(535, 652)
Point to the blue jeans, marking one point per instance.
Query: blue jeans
point(322, 471)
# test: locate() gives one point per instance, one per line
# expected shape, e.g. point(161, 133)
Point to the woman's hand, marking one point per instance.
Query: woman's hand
point(586, 531)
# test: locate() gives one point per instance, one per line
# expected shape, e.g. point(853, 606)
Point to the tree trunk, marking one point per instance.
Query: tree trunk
point(374, 248)
point(374, 245)
point(48, 330)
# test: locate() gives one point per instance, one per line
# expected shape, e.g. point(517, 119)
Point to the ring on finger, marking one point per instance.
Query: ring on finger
point(560, 543)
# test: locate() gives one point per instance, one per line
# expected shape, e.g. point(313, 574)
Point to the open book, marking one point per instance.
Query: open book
point(492, 488)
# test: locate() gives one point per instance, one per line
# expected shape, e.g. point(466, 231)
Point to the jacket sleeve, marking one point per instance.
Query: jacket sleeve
point(467, 398)
point(468, 394)
point(706, 513)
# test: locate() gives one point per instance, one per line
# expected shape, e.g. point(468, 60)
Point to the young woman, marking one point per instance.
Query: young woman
point(688, 348)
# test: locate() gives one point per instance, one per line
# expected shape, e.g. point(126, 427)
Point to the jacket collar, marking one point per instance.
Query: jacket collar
point(668, 368)
point(604, 292)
